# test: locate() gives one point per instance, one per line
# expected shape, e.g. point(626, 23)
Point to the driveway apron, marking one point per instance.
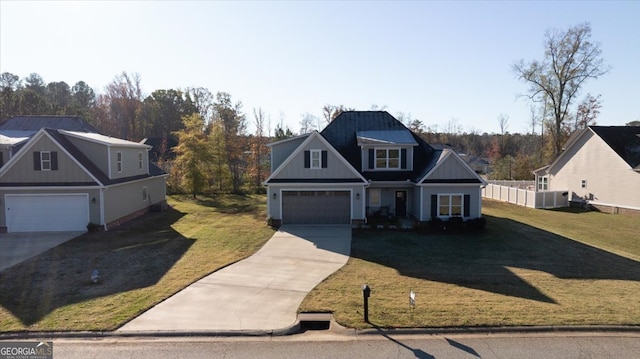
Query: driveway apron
point(18, 247)
point(262, 292)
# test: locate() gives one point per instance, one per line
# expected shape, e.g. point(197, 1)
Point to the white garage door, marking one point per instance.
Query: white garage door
point(39, 213)
point(316, 207)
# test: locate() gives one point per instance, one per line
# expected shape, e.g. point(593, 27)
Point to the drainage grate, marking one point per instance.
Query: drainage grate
point(314, 321)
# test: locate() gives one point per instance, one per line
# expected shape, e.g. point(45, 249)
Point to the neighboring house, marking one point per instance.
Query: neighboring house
point(59, 174)
point(365, 164)
point(599, 165)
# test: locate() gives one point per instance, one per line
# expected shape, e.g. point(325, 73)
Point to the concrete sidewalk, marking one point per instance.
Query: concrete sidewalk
point(262, 292)
point(18, 247)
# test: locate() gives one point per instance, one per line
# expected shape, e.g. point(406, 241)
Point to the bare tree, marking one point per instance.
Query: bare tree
point(503, 121)
point(308, 123)
point(124, 100)
point(570, 59)
point(588, 111)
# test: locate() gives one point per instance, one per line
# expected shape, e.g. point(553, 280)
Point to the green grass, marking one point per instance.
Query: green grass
point(141, 264)
point(529, 267)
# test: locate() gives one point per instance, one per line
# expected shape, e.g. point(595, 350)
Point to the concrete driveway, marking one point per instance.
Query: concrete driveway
point(18, 247)
point(262, 292)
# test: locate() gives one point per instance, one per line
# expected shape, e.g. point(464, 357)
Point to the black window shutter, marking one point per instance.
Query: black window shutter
point(36, 161)
point(54, 161)
point(371, 158)
point(1, 159)
point(324, 159)
point(403, 158)
point(467, 205)
point(307, 159)
point(434, 205)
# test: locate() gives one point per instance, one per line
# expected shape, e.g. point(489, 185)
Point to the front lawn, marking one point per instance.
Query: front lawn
point(140, 264)
point(529, 267)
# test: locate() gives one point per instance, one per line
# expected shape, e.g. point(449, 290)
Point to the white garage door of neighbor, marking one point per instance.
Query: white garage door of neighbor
point(43, 213)
point(316, 207)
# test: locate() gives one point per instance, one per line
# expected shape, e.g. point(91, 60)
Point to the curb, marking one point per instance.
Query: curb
point(502, 330)
point(296, 329)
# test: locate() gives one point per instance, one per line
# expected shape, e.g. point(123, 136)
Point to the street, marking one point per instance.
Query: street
point(326, 345)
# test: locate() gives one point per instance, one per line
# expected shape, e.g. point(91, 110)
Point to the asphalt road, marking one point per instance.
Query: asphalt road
point(312, 345)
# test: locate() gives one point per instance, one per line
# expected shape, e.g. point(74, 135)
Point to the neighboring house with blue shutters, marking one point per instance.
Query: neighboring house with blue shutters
point(366, 164)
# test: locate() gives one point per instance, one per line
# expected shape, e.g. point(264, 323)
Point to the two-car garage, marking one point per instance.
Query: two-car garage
point(47, 212)
point(316, 207)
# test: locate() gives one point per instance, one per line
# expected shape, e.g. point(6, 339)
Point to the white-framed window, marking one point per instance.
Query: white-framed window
point(583, 183)
point(450, 205)
point(387, 158)
point(45, 160)
point(119, 161)
point(374, 197)
point(543, 183)
point(316, 159)
point(140, 163)
point(144, 193)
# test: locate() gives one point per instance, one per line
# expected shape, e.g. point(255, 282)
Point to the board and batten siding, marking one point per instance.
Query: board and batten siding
point(336, 168)
point(280, 151)
point(23, 171)
point(452, 168)
point(609, 179)
point(474, 192)
point(97, 153)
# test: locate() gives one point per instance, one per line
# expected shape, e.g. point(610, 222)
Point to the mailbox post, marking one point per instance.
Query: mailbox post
point(366, 292)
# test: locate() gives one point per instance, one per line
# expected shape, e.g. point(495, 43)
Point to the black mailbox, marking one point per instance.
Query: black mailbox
point(366, 292)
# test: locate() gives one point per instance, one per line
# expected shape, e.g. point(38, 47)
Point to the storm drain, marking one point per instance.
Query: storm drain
point(314, 321)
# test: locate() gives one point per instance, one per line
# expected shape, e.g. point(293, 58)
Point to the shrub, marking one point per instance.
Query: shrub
point(476, 224)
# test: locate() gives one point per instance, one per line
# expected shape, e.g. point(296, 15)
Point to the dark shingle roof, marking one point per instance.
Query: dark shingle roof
point(624, 140)
point(34, 123)
point(341, 134)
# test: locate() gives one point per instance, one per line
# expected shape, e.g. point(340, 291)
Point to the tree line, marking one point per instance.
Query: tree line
point(206, 146)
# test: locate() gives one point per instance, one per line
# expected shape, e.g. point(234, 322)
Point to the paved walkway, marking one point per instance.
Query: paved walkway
point(18, 247)
point(262, 292)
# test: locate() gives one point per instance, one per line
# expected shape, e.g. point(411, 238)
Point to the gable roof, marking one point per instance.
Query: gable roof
point(624, 140)
point(34, 123)
point(341, 133)
point(448, 154)
point(77, 156)
point(309, 138)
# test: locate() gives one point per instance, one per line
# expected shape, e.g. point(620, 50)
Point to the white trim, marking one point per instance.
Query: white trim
point(479, 202)
point(287, 139)
point(42, 161)
point(422, 200)
point(140, 161)
point(387, 168)
point(446, 153)
point(103, 140)
point(119, 162)
point(7, 195)
point(311, 153)
point(350, 190)
point(314, 134)
point(102, 222)
point(449, 184)
point(27, 147)
point(450, 195)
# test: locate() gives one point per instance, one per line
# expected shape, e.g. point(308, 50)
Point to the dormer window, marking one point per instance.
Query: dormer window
point(387, 158)
point(119, 161)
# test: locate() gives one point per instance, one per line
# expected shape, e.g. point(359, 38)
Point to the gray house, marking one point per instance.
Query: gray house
point(599, 165)
point(57, 173)
point(364, 164)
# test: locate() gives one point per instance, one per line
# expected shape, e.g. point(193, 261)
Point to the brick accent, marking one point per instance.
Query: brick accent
point(120, 221)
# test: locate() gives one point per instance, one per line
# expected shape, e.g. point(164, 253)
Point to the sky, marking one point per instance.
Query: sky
point(441, 62)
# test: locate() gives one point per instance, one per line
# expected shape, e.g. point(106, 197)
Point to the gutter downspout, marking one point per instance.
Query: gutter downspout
point(104, 225)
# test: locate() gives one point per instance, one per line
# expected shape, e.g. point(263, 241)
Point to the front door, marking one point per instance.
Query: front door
point(401, 203)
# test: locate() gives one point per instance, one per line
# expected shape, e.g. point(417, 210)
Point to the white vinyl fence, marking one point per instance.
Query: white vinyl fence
point(527, 198)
